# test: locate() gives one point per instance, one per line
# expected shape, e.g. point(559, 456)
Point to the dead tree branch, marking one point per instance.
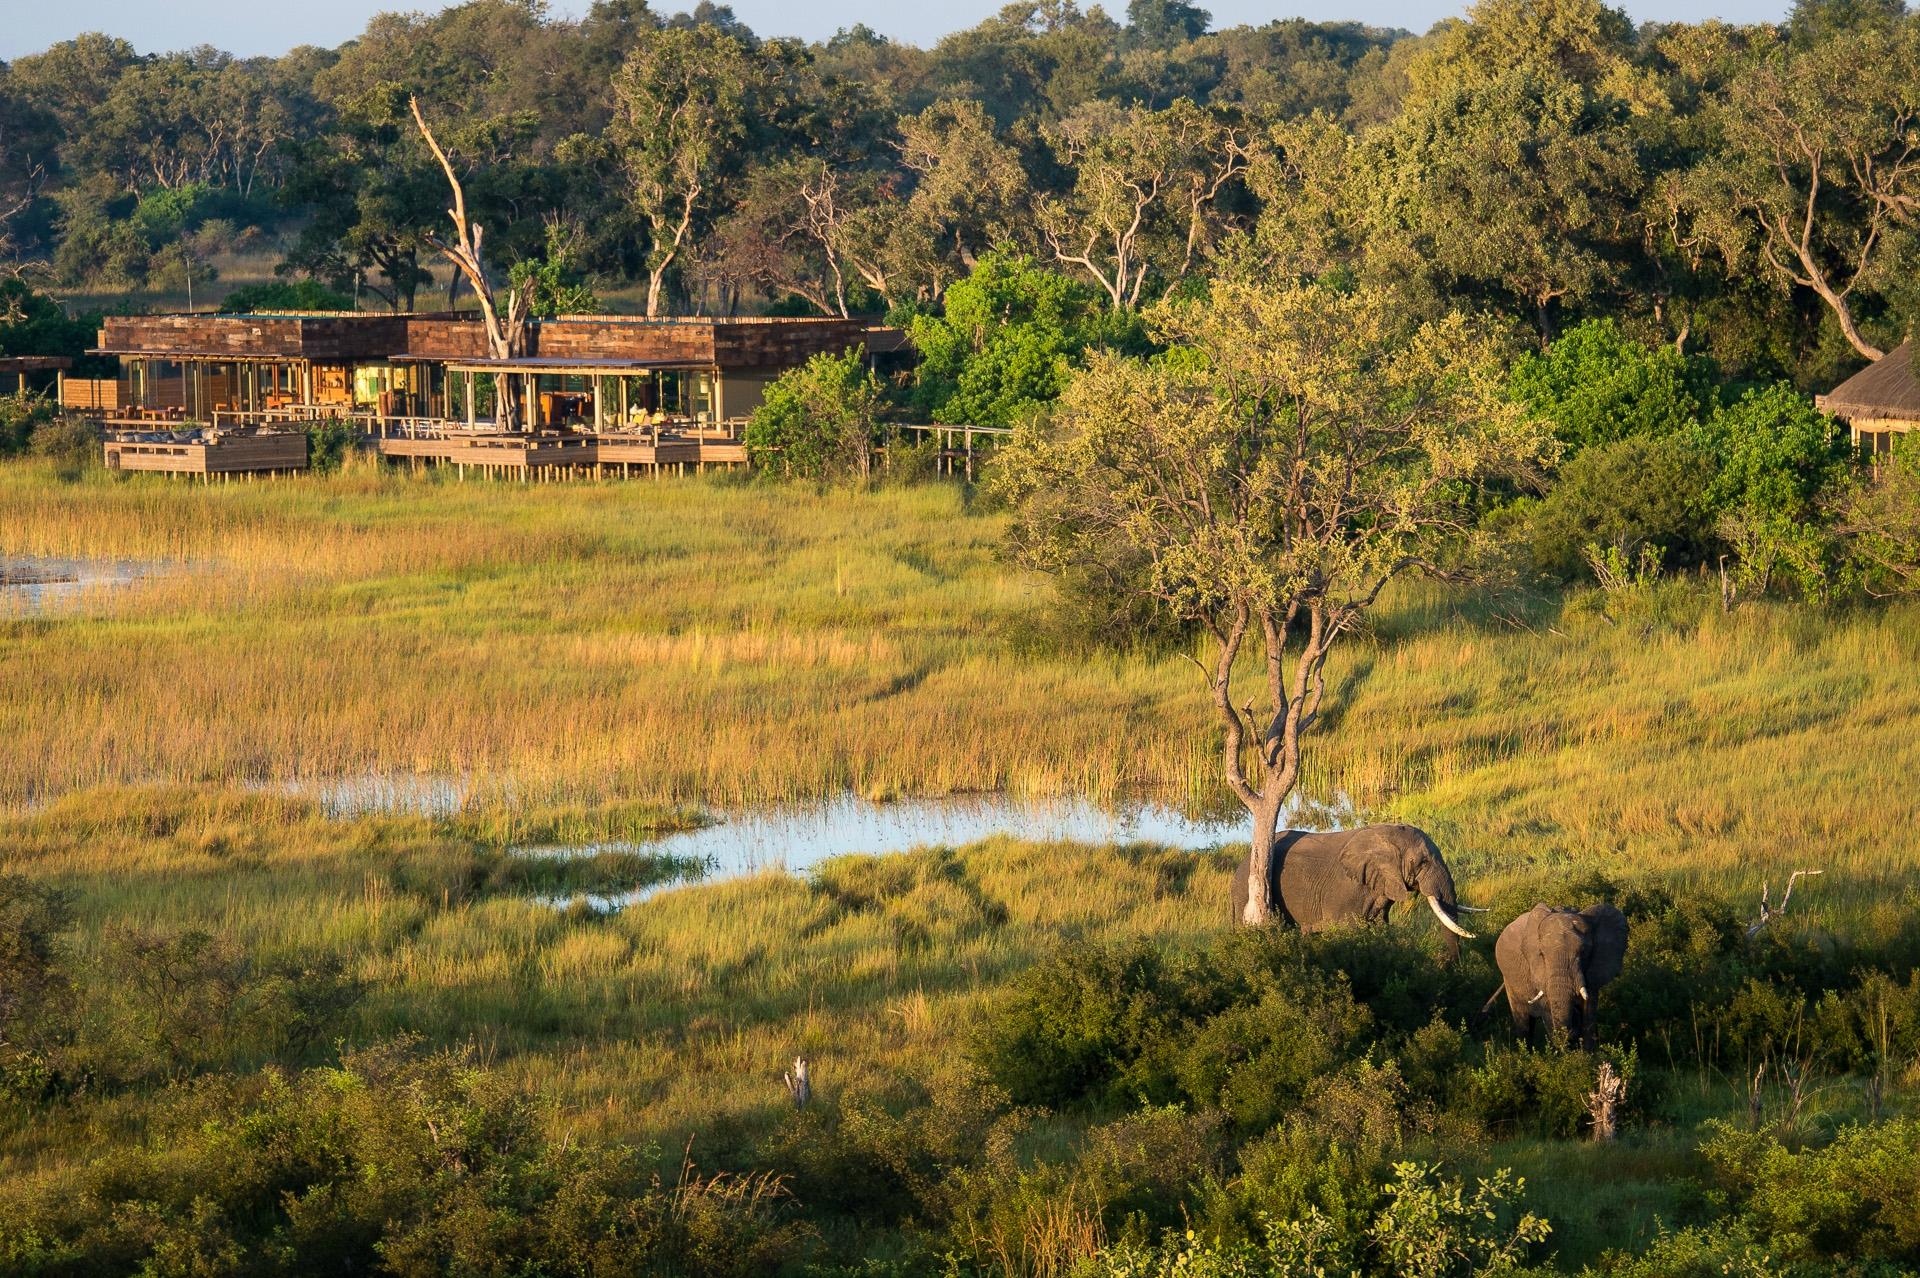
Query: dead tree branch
point(1768, 912)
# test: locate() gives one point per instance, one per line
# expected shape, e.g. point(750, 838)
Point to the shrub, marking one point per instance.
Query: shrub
point(70, 445)
point(1857, 1198)
point(1598, 386)
point(32, 982)
point(1879, 523)
point(819, 420)
point(1008, 336)
point(1521, 1090)
point(1780, 460)
point(328, 443)
point(182, 1001)
point(20, 417)
point(1083, 1023)
point(284, 295)
point(1426, 1225)
point(393, 1162)
point(1247, 1026)
point(1631, 493)
point(1723, 1248)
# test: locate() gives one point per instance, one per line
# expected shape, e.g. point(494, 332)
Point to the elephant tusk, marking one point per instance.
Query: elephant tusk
point(1537, 996)
point(1472, 909)
point(1583, 993)
point(1446, 922)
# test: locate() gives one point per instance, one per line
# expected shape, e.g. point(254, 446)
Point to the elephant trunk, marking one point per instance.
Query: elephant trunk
point(1566, 997)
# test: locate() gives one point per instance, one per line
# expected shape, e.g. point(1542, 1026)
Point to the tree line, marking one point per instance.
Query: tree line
point(1748, 193)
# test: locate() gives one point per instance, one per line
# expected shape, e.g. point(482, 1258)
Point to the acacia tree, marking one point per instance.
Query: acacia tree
point(681, 111)
point(1817, 161)
point(1295, 451)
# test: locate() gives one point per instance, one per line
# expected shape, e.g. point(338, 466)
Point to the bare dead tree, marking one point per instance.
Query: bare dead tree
point(1604, 1101)
point(506, 332)
point(799, 1085)
point(1768, 913)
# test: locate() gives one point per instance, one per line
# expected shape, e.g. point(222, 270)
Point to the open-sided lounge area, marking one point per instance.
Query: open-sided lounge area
point(612, 394)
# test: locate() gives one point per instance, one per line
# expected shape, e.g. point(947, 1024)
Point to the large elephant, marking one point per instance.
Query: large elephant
point(1353, 876)
point(1553, 964)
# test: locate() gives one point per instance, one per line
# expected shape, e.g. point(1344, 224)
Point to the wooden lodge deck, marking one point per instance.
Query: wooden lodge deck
point(218, 456)
point(547, 455)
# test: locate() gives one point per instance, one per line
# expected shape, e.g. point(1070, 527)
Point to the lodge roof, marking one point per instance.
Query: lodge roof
point(584, 342)
point(33, 363)
point(1885, 388)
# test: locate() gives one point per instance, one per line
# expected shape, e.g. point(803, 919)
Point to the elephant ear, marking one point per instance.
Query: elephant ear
point(1607, 927)
point(1374, 861)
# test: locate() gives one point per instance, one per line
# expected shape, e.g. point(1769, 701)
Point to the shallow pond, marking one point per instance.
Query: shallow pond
point(30, 583)
point(795, 838)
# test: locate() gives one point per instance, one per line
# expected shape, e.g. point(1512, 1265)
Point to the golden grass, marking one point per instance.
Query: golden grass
point(714, 642)
point(695, 641)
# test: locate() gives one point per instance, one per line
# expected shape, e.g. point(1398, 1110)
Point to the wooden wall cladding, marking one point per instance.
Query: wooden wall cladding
point(321, 338)
point(339, 339)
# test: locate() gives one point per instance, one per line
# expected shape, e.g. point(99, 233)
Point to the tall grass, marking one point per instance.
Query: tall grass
point(718, 643)
point(679, 640)
point(590, 659)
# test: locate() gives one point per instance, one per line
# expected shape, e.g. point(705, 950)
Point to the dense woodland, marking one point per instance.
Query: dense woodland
point(1746, 193)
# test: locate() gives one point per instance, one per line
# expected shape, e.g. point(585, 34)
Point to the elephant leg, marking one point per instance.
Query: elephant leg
point(1522, 1016)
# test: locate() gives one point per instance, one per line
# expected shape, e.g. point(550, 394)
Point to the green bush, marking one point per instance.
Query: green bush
point(328, 443)
point(394, 1162)
point(1780, 462)
point(33, 981)
point(70, 445)
point(179, 1002)
point(271, 296)
point(1856, 1198)
point(1598, 386)
point(1007, 337)
point(818, 421)
point(1425, 1225)
point(1641, 491)
point(1520, 1090)
point(21, 416)
point(1247, 1026)
point(1723, 1248)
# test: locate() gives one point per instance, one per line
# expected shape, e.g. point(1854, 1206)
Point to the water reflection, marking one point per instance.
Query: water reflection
point(32, 583)
point(795, 838)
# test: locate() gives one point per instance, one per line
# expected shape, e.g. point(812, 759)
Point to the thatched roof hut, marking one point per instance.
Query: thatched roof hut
point(1880, 401)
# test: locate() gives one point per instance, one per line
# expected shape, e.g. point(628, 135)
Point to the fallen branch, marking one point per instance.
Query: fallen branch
point(1768, 913)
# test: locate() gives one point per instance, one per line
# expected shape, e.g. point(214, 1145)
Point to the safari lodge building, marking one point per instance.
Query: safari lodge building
point(595, 392)
point(1879, 402)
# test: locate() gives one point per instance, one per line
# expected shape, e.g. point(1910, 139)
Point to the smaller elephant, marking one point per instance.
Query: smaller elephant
point(1553, 964)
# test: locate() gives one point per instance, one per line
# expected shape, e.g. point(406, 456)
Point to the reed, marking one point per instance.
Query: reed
point(598, 661)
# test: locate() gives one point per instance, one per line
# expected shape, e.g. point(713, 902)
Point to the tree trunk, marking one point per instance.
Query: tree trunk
point(654, 282)
point(1603, 1102)
point(1260, 866)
